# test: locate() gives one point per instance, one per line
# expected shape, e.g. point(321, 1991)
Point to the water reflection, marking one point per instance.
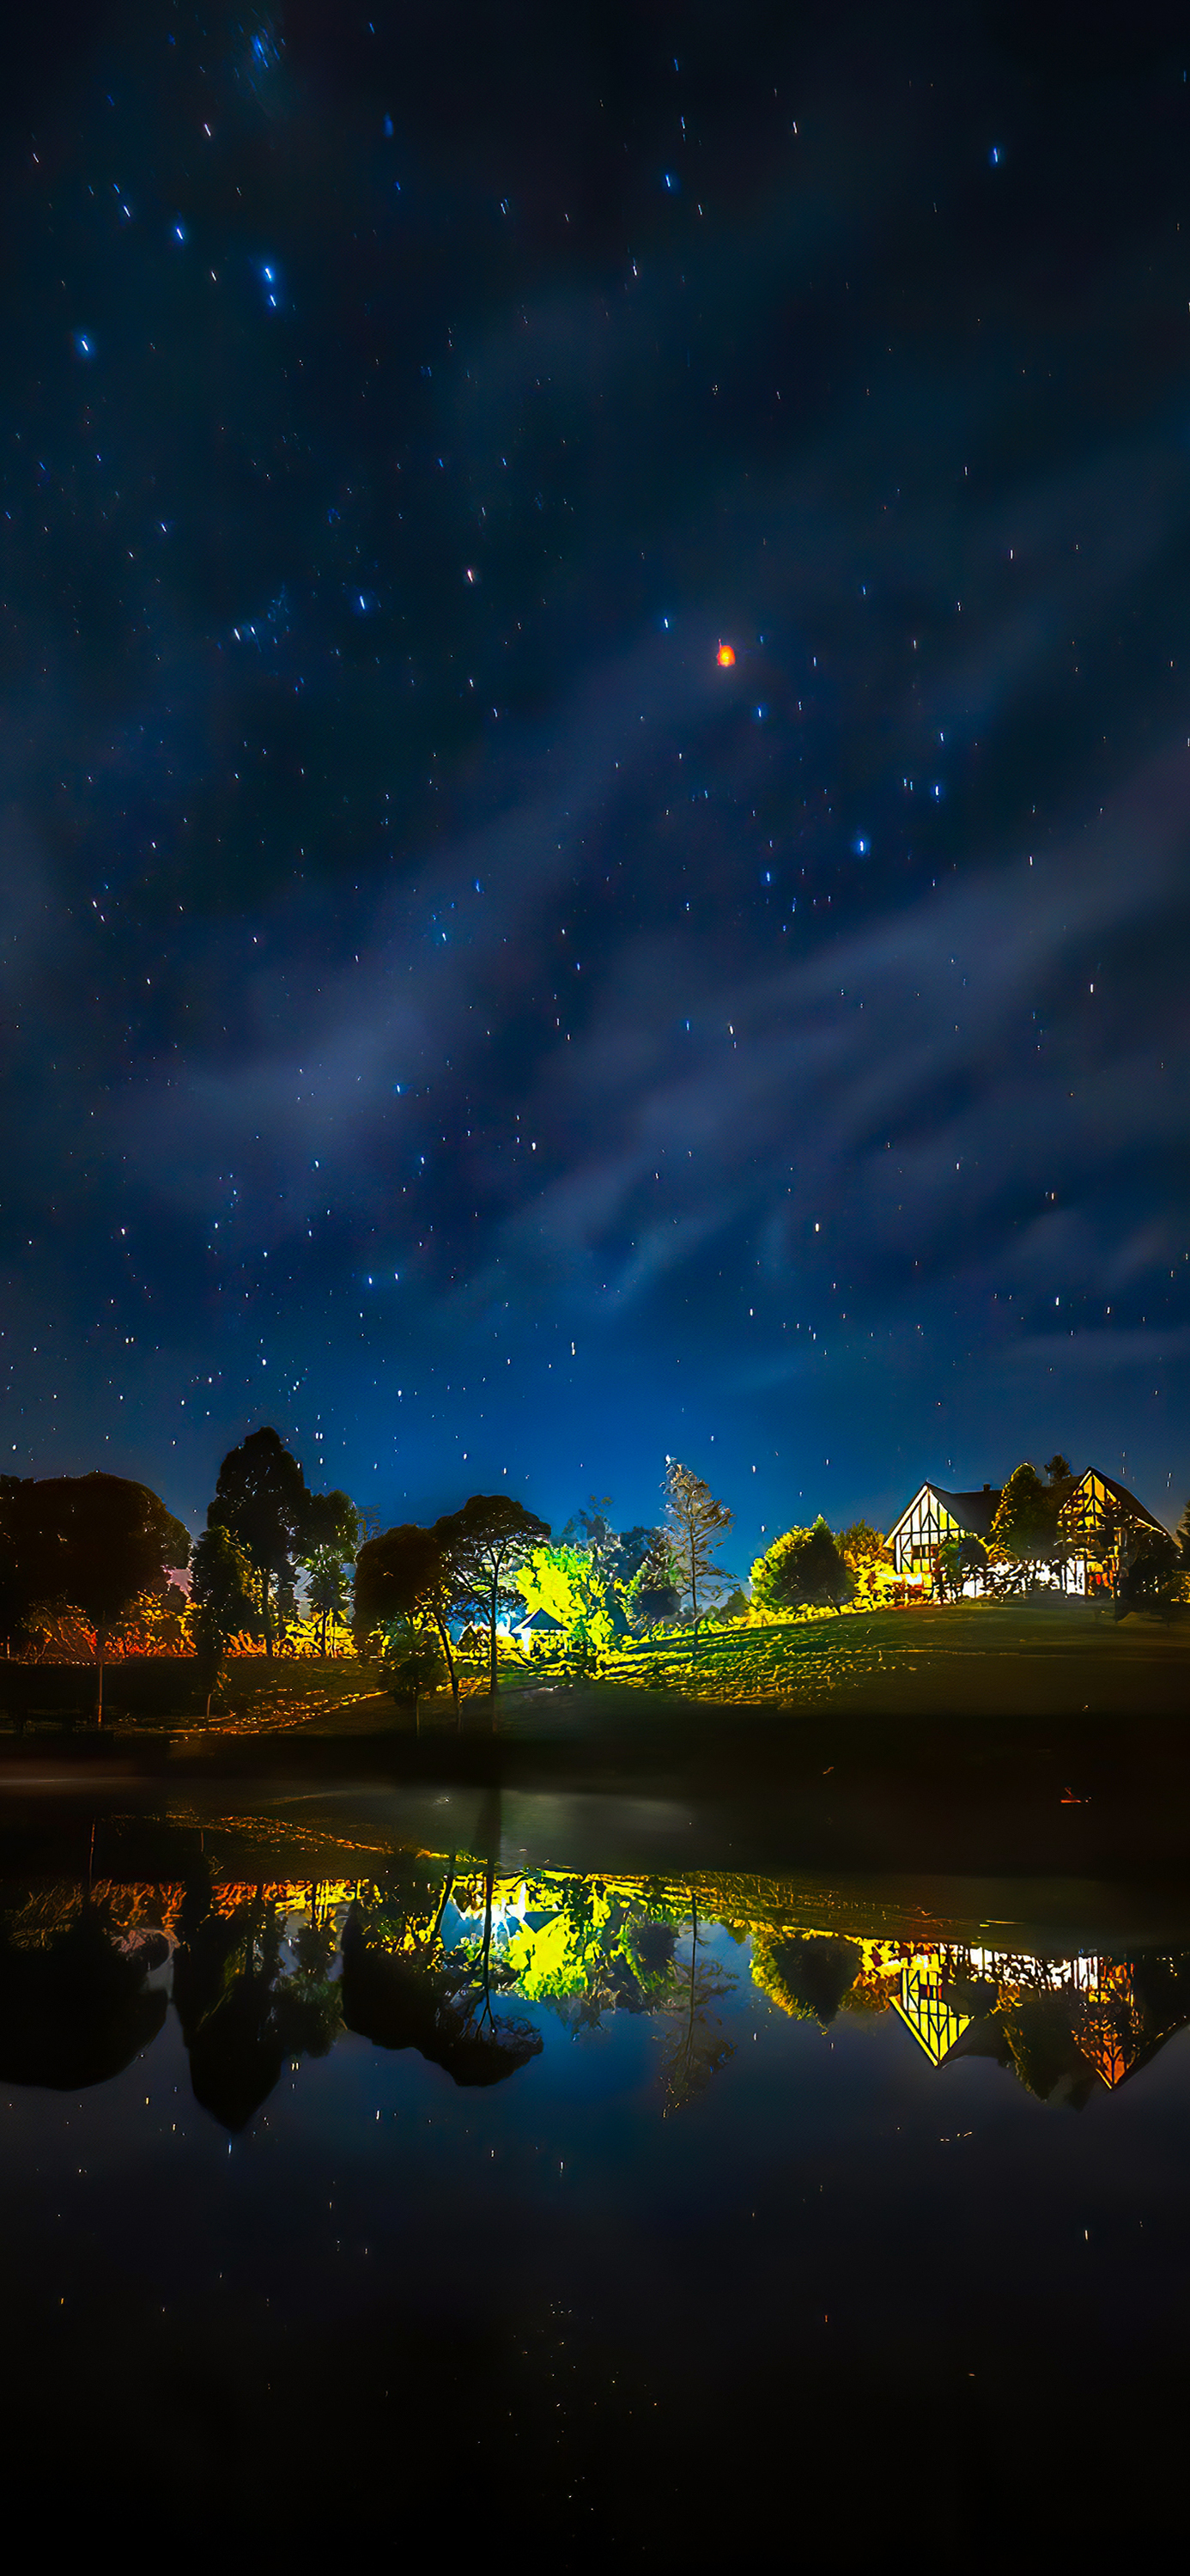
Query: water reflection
point(469, 1966)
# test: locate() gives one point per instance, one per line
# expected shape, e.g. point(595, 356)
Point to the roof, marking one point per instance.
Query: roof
point(974, 1512)
point(1120, 1494)
point(543, 1621)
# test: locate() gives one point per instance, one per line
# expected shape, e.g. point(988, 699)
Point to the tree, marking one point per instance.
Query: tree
point(653, 1595)
point(1152, 1573)
point(694, 1522)
point(482, 1547)
point(223, 1601)
point(1182, 1535)
point(868, 1556)
point(697, 2045)
point(24, 1569)
point(413, 1663)
point(329, 1539)
point(615, 1556)
point(95, 1544)
point(1058, 1469)
point(1025, 1529)
point(327, 1583)
point(403, 1580)
point(803, 1569)
point(959, 1555)
point(262, 1499)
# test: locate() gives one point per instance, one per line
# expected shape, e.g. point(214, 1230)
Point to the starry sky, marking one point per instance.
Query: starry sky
point(450, 1013)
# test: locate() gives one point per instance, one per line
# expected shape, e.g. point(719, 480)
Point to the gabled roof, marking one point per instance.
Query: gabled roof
point(976, 1511)
point(1119, 1493)
point(973, 1512)
point(542, 1622)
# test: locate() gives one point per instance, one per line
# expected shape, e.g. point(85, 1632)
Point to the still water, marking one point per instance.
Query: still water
point(363, 2182)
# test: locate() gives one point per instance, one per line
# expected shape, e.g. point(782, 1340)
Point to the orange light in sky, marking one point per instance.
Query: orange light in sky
point(725, 656)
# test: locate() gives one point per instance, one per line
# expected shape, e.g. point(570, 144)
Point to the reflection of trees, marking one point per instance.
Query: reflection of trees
point(696, 2047)
point(242, 2016)
point(807, 1974)
point(410, 1992)
point(588, 1948)
point(73, 2010)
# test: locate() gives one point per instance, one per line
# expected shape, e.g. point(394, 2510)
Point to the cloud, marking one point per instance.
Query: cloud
point(940, 1091)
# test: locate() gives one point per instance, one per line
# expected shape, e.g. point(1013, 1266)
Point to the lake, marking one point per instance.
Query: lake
point(378, 2167)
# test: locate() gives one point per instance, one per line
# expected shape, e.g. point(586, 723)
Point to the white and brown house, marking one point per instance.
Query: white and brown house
point(1095, 1518)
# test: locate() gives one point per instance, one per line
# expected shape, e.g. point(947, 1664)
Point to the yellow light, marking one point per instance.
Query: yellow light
point(725, 656)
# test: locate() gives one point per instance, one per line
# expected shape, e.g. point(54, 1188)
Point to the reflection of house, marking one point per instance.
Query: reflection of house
point(1060, 2023)
point(925, 2009)
point(1096, 1518)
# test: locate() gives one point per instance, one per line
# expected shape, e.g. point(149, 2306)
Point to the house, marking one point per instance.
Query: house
point(1096, 1517)
point(540, 1623)
point(935, 1515)
point(1096, 1520)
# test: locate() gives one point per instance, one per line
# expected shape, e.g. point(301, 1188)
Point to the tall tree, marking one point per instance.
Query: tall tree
point(328, 1580)
point(261, 1496)
point(404, 1577)
point(653, 1595)
point(694, 1525)
point(483, 1545)
point(25, 1570)
point(1025, 1528)
point(329, 1539)
point(223, 1600)
point(97, 1543)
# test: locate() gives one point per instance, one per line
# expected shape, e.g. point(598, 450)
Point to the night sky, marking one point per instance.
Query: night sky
point(447, 1014)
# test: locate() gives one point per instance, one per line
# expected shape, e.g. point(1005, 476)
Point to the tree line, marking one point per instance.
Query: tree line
point(98, 1546)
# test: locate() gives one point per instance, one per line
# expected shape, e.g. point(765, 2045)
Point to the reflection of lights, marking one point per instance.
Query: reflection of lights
point(725, 656)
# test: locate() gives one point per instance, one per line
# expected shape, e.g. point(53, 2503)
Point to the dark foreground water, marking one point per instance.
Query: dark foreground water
point(377, 2178)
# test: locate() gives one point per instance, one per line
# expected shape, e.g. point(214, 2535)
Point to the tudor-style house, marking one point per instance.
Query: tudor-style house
point(1094, 1519)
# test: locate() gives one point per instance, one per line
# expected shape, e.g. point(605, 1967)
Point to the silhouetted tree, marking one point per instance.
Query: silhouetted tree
point(262, 1498)
point(405, 1578)
point(95, 1544)
point(960, 1555)
point(1152, 1575)
point(329, 1538)
point(327, 1586)
point(25, 1548)
point(223, 1600)
point(482, 1547)
point(74, 2011)
point(437, 2002)
point(1025, 1526)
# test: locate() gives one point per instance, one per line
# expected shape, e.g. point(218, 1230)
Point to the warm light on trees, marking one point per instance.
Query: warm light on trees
point(694, 1526)
point(803, 1569)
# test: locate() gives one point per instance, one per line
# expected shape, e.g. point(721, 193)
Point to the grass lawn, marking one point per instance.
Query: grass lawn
point(1042, 1657)
point(1052, 1656)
